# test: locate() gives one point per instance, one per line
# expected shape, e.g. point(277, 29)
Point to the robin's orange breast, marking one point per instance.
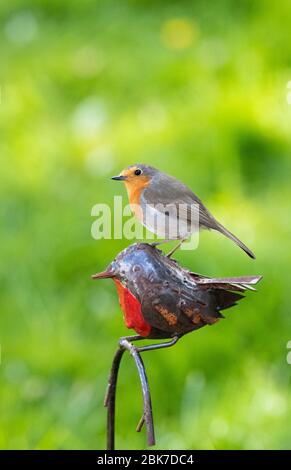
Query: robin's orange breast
point(134, 191)
point(131, 308)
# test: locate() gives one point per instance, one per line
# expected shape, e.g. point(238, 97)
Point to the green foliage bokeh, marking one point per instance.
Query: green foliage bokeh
point(199, 90)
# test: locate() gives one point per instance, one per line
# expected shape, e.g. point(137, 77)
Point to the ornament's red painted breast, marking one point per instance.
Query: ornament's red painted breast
point(131, 310)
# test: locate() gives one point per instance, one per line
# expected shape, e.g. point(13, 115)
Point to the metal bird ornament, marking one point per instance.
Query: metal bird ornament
point(168, 207)
point(160, 299)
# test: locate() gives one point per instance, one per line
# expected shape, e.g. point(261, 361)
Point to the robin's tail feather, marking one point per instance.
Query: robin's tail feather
point(225, 290)
point(220, 228)
point(234, 284)
point(225, 299)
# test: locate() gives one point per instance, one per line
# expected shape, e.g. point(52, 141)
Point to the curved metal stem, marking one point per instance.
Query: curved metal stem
point(147, 404)
point(125, 344)
point(110, 396)
point(109, 400)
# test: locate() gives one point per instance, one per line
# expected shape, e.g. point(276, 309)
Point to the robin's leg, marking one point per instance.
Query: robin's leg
point(166, 344)
point(176, 247)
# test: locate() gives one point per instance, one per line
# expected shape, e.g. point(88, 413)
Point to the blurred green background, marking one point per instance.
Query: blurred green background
point(199, 90)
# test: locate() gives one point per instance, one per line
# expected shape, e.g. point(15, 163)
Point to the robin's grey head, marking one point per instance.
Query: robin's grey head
point(137, 174)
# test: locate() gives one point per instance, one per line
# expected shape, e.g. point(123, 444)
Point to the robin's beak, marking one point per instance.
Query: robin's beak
point(119, 178)
point(104, 274)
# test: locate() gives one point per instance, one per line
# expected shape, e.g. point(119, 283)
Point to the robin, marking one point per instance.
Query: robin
point(168, 207)
point(160, 299)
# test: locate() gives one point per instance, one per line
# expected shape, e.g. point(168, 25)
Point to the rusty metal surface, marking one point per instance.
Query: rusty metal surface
point(174, 301)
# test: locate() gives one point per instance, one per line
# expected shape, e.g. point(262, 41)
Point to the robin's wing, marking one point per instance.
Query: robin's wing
point(160, 308)
point(177, 311)
point(168, 191)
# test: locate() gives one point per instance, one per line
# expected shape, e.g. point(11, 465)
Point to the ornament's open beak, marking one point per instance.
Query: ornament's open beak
point(109, 273)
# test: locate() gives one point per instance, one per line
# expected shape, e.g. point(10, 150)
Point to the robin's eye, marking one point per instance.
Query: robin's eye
point(138, 172)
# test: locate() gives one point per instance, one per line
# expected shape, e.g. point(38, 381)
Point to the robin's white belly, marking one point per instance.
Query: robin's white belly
point(167, 223)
